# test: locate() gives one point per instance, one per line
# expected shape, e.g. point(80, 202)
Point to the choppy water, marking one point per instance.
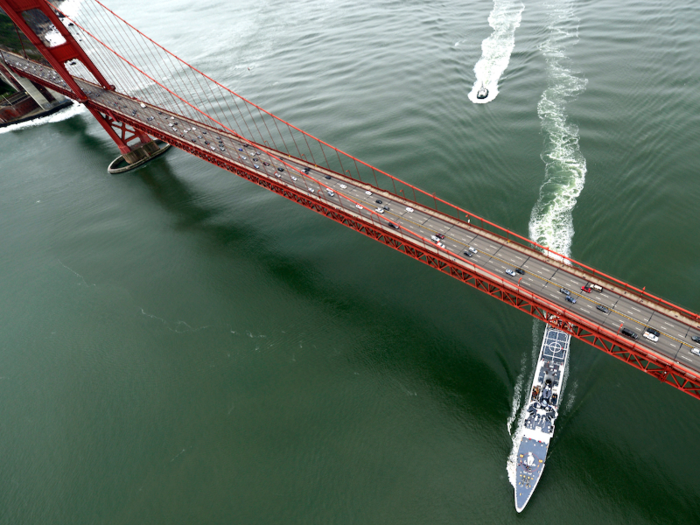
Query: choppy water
point(180, 346)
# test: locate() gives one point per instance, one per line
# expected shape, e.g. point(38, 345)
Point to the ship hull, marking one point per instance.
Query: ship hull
point(537, 427)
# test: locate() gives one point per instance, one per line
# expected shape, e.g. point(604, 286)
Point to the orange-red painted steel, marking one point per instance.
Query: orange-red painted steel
point(539, 307)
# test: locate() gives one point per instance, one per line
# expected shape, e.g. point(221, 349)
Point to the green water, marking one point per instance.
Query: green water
point(179, 346)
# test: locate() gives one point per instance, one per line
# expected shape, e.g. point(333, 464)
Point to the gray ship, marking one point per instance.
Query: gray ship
point(542, 406)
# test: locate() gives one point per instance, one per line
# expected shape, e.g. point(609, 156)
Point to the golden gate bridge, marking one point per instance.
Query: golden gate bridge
point(147, 99)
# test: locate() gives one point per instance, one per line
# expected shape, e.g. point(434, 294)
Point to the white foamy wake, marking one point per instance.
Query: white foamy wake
point(64, 114)
point(551, 222)
point(515, 406)
point(496, 49)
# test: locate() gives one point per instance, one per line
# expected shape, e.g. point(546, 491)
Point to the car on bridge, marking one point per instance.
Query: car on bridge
point(571, 299)
point(565, 291)
point(695, 338)
point(520, 271)
point(510, 272)
point(468, 253)
point(603, 309)
point(651, 334)
point(629, 333)
point(473, 250)
point(695, 351)
point(435, 238)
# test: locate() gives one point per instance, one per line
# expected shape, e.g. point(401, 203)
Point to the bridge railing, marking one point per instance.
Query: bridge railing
point(141, 68)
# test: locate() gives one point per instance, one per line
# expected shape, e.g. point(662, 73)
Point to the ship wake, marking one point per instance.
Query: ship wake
point(551, 221)
point(497, 48)
point(64, 114)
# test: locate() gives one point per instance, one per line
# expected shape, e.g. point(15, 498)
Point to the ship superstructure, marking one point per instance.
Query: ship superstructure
point(542, 410)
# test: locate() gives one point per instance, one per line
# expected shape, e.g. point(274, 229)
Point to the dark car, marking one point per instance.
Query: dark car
point(520, 271)
point(629, 333)
point(571, 299)
point(280, 169)
point(603, 309)
point(378, 201)
point(392, 225)
point(327, 176)
point(468, 254)
point(695, 338)
point(439, 236)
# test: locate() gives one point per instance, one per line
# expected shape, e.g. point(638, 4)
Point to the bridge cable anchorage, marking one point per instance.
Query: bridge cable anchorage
point(136, 58)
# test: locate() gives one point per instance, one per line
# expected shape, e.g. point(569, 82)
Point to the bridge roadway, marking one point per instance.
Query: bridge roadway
point(543, 276)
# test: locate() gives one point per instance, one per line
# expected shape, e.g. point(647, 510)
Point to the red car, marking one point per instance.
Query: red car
point(586, 288)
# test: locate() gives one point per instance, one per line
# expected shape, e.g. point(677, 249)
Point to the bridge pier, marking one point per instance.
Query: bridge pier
point(137, 157)
point(136, 147)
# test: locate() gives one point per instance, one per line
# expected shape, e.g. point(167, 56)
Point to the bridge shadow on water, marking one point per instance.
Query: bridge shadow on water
point(467, 387)
point(458, 373)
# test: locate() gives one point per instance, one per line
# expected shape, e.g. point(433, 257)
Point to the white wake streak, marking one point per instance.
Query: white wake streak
point(64, 114)
point(551, 221)
point(497, 48)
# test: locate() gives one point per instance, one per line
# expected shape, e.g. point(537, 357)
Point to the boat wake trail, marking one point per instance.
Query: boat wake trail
point(64, 114)
point(496, 49)
point(551, 222)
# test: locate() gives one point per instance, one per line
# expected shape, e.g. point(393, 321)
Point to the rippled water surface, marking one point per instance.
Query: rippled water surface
point(180, 346)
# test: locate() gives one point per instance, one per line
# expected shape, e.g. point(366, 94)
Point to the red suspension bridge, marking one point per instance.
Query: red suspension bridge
point(138, 91)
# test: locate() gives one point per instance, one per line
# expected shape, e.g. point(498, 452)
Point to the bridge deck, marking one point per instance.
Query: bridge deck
point(415, 225)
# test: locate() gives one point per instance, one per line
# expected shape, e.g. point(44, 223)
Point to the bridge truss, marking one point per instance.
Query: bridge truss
point(124, 61)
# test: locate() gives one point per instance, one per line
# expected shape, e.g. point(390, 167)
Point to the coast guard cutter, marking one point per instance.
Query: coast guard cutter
point(542, 409)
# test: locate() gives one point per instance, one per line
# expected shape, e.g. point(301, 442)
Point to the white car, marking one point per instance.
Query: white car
point(294, 178)
point(434, 238)
point(368, 193)
point(695, 351)
point(510, 272)
point(330, 193)
point(143, 105)
point(440, 245)
point(359, 207)
point(311, 190)
point(651, 334)
point(343, 186)
point(473, 250)
point(409, 210)
point(379, 210)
